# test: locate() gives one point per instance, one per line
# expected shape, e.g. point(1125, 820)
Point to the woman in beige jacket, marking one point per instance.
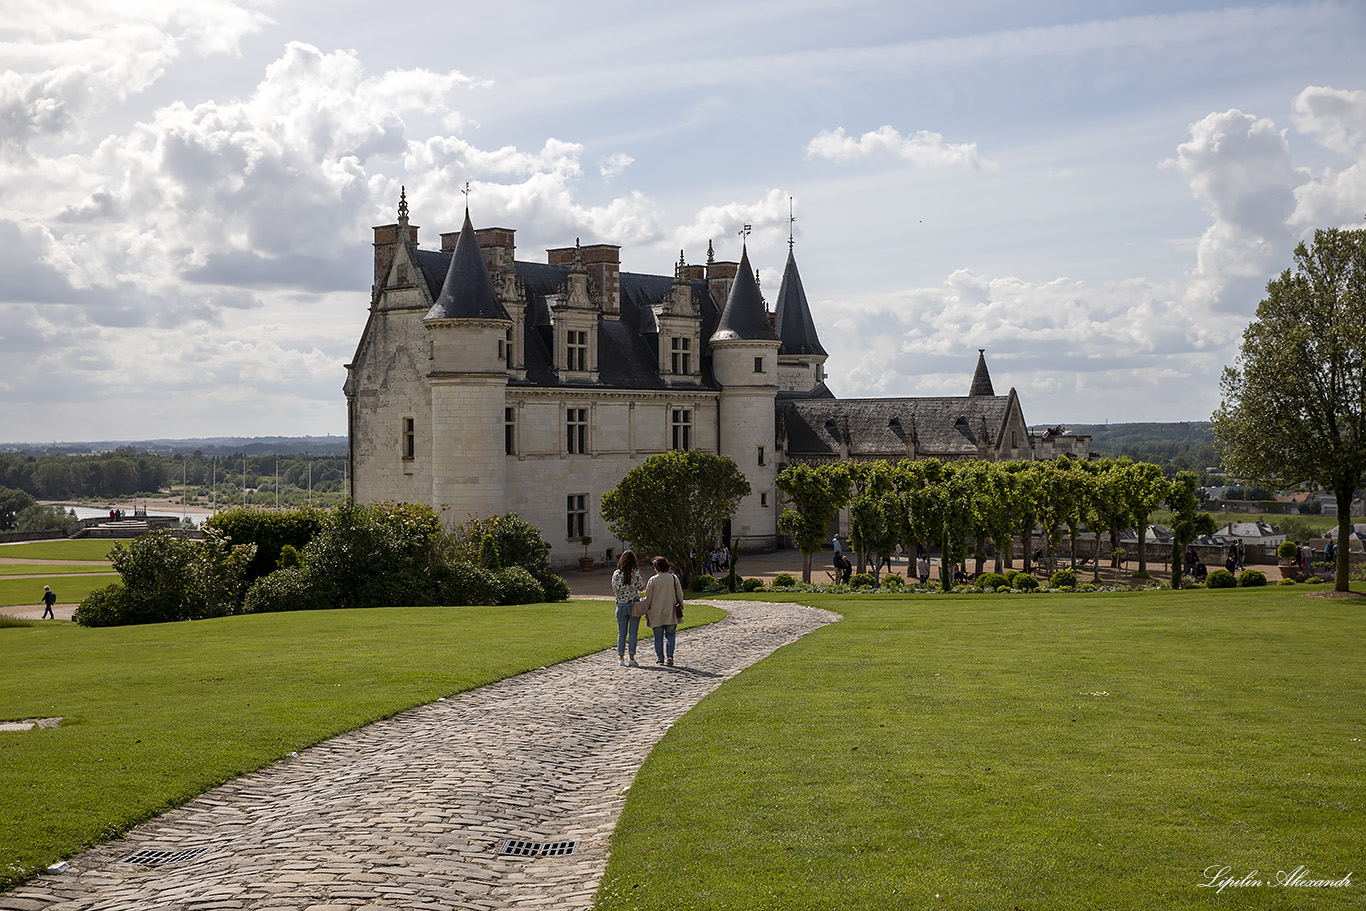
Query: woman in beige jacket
point(663, 609)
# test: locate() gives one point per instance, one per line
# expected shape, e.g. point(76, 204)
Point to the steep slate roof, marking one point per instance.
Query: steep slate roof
point(626, 346)
point(467, 292)
point(878, 428)
point(744, 316)
point(981, 379)
point(796, 329)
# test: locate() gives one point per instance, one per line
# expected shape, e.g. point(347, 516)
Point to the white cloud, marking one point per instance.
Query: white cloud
point(1337, 119)
point(614, 165)
point(922, 149)
point(766, 216)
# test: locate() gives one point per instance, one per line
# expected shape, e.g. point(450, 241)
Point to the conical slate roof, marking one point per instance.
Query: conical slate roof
point(981, 379)
point(795, 327)
point(744, 316)
point(467, 292)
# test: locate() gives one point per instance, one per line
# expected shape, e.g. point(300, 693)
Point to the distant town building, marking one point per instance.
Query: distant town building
point(485, 384)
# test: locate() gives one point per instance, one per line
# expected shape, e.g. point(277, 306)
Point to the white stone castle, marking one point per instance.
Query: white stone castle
point(483, 384)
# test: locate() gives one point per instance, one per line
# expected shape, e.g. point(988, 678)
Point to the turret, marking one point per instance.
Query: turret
point(801, 359)
point(468, 328)
point(744, 352)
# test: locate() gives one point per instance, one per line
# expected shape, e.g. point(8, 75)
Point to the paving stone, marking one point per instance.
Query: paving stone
point(409, 812)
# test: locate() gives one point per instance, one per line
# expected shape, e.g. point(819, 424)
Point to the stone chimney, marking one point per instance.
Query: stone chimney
point(603, 262)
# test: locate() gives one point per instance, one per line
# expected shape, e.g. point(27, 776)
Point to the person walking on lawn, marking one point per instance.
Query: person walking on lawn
point(49, 599)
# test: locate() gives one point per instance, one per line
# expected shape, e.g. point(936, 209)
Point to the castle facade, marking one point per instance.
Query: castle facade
point(484, 384)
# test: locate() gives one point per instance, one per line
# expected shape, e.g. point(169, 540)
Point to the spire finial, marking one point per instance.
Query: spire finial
point(403, 204)
point(791, 220)
point(466, 192)
point(711, 256)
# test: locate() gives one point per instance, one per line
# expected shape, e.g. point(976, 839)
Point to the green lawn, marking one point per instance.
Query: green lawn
point(157, 714)
point(80, 549)
point(39, 569)
point(1030, 752)
point(69, 589)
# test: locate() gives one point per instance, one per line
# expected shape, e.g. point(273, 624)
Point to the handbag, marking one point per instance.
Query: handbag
point(678, 609)
point(638, 608)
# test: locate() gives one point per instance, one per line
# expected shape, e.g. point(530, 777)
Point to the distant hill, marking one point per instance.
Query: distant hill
point(1184, 444)
point(213, 446)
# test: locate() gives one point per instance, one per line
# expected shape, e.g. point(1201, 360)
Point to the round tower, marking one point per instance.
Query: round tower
point(744, 357)
point(468, 328)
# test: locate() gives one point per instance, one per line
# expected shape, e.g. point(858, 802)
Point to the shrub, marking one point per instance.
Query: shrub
point(963, 589)
point(1187, 581)
point(1025, 582)
point(1086, 587)
point(102, 607)
point(991, 582)
point(463, 584)
point(893, 582)
point(1287, 551)
point(515, 585)
point(704, 583)
point(1141, 574)
point(1221, 578)
point(1251, 578)
point(1066, 578)
point(1286, 582)
point(1312, 580)
point(289, 556)
point(752, 585)
point(784, 580)
point(519, 543)
point(862, 580)
point(556, 588)
point(1010, 576)
point(488, 554)
point(269, 530)
point(1002, 588)
point(284, 590)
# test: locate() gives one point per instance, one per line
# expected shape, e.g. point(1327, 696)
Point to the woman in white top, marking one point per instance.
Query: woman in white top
point(626, 586)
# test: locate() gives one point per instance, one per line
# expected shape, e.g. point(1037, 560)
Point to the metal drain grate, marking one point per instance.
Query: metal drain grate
point(150, 858)
point(516, 847)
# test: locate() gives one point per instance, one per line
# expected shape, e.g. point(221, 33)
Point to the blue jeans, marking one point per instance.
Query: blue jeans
point(665, 634)
point(627, 626)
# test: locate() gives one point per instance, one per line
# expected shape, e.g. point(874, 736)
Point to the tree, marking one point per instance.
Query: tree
point(1293, 408)
point(1143, 488)
point(1188, 522)
point(812, 497)
point(13, 502)
point(675, 505)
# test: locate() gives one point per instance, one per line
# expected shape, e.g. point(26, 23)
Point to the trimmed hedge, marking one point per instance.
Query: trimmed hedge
point(1221, 578)
point(990, 582)
point(1251, 578)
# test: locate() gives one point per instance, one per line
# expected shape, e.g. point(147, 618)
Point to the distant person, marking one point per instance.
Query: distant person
point(844, 568)
point(1330, 551)
point(1240, 552)
point(49, 599)
point(922, 568)
point(627, 585)
point(663, 609)
point(838, 547)
point(1192, 558)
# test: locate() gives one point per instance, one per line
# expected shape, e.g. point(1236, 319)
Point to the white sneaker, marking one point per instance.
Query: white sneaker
point(621, 662)
point(633, 663)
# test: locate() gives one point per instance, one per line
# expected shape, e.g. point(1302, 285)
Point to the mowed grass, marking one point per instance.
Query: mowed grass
point(69, 589)
point(79, 549)
point(1018, 752)
point(154, 715)
point(50, 569)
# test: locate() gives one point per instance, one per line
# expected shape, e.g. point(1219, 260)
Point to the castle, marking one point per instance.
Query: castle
point(483, 384)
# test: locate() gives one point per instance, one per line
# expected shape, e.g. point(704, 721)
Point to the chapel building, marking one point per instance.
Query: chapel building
point(483, 384)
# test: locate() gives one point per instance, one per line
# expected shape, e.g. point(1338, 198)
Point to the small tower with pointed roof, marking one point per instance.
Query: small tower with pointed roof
point(468, 328)
point(981, 379)
point(744, 352)
point(801, 359)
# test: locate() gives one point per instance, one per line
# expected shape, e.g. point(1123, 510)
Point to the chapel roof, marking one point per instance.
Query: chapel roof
point(947, 426)
point(981, 379)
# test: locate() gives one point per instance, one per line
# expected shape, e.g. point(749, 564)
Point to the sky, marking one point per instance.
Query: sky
point(1094, 191)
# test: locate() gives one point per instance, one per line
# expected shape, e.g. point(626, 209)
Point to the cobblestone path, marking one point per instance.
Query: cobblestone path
point(410, 813)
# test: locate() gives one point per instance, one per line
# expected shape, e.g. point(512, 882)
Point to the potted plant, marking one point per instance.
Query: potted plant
point(1288, 560)
point(585, 562)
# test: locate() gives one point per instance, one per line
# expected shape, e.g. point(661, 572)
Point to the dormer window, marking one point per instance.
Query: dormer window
point(577, 350)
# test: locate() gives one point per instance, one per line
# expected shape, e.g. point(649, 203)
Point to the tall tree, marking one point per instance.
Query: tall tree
point(812, 497)
point(675, 504)
point(1294, 404)
point(1188, 521)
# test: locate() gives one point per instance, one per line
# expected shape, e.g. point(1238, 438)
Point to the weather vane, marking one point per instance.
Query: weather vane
point(466, 192)
point(744, 232)
point(791, 220)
